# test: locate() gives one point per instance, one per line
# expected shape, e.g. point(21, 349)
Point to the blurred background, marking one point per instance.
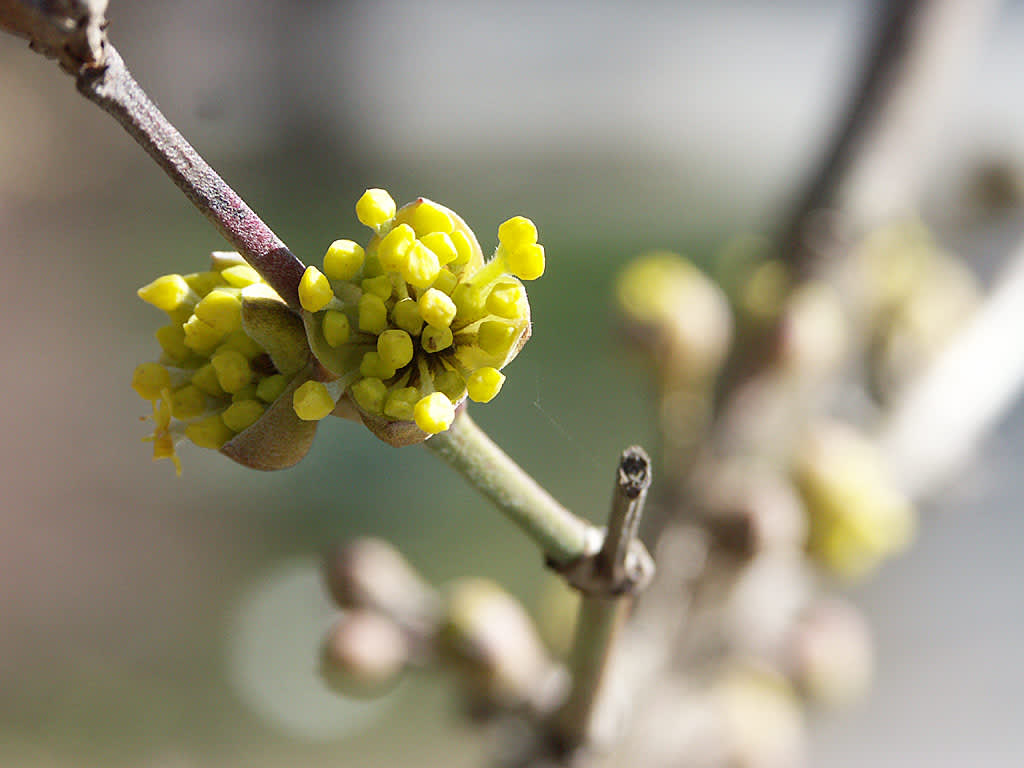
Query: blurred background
point(147, 620)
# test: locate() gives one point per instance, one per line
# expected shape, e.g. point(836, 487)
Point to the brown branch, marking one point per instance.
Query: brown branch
point(114, 89)
point(72, 31)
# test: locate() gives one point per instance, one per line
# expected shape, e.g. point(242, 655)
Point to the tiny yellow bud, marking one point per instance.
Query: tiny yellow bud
point(188, 403)
point(425, 217)
point(343, 260)
point(463, 247)
point(406, 315)
point(204, 282)
point(314, 290)
point(372, 366)
point(375, 208)
point(210, 432)
point(434, 413)
point(373, 314)
point(370, 394)
point(517, 232)
point(484, 384)
point(445, 281)
point(393, 248)
point(241, 341)
point(437, 308)
point(441, 244)
point(200, 336)
point(270, 388)
point(167, 293)
point(400, 403)
point(222, 309)
point(496, 337)
point(526, 262)
point(336, 327)
point(248, 392)
point(171, 339)
point(242, 414)
point(379, 286)
point(451, 384)
point(395, 349)
point(206, 379)
point(312, 401)
point(150, 379)
point(421, 266)
point(436, 339)
point(240, 275)
point(232, 369)
point(504, 300)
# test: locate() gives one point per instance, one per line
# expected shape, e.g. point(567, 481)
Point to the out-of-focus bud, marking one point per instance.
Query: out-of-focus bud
point(830, 654)
point(857, 514)
point(769, 595)
point(887, 265)
point(370, 574)
point(752, 508)
point(812, 333)
point(762, 723)
point(489, 639)
point(678, 313)
point(917, 329)
point(363, 654)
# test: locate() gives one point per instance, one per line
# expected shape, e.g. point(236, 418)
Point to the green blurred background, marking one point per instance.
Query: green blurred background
point(149, 620)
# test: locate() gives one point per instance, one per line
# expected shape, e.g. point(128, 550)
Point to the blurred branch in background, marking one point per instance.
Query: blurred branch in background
point(873, 166)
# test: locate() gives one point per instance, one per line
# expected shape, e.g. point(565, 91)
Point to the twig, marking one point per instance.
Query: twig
point(72, 31)
point(624, 571)
point(872, 166)
point(114, 89)
point(561, 536)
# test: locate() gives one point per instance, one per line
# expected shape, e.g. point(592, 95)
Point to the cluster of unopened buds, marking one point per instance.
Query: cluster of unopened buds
point(397, 334)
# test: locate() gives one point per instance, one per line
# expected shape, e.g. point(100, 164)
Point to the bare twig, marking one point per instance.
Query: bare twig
point(73, 32)
point(114, 89)
point(625, 570)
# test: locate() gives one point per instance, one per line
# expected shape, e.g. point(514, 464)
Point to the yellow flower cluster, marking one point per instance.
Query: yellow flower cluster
point(213, 380)
point(416, 321)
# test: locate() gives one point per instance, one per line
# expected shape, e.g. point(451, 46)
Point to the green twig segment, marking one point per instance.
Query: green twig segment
point(561, 535)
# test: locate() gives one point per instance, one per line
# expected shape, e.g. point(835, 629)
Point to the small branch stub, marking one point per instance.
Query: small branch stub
point(609, 579)
point(622, 565)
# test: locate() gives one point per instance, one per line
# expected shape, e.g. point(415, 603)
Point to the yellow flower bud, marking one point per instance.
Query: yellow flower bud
point(437, 308)
point(242, 414)
point(517, 232)
point(343, 260)
point(314, 290)
point(434, 413)
point(483, 384)
point(150, 379)
point(167, 293)
point(375, 208)
point(395, 348)
point(312, 401)
point(336, 327)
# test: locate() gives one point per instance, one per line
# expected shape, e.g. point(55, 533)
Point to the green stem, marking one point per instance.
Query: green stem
point(561, 535)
